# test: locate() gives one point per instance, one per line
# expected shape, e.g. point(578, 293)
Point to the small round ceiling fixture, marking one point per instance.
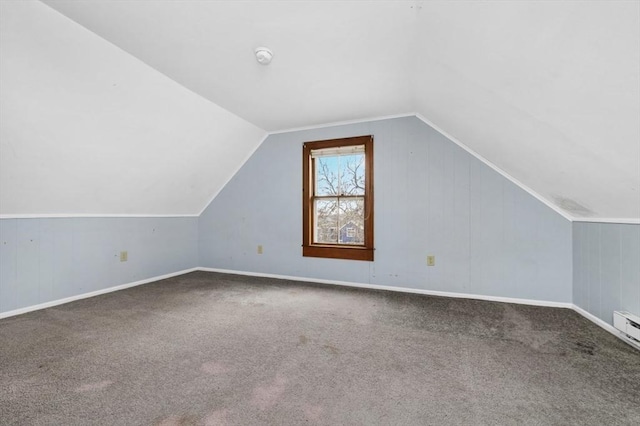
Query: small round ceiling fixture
point(264, 55)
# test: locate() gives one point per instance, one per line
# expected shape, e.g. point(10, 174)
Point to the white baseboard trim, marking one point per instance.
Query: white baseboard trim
point(91, 294)
point(608, 327)
point(546, 303)
point(398, 289)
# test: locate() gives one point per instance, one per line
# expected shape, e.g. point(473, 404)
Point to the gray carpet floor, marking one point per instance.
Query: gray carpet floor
point(213, 349)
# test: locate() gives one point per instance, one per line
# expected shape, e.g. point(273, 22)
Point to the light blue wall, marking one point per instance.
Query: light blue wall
point(43, 260)
point(489, 236)
point(431, 197)
point(606, 262)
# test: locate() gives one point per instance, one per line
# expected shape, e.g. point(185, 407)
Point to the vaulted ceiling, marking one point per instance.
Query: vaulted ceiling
point(161, 101)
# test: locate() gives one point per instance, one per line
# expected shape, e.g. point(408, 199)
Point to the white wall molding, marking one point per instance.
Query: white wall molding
point(397, 289)
point(91, 294)
point(80, 215)
point(343, 123)
point(630, 221)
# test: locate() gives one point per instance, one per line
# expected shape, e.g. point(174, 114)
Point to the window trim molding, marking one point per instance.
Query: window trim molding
point(337, 251)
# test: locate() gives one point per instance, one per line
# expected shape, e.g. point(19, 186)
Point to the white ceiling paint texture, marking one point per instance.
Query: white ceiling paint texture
point(88, 129)
point(333, 60)
point(549, 92)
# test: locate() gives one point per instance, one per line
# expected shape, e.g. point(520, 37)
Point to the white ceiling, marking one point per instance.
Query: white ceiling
point(88, 129)
point(549, 92)
point(333, 60)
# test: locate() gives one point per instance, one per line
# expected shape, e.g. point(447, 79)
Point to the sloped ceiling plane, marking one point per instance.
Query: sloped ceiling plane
point(156, 104)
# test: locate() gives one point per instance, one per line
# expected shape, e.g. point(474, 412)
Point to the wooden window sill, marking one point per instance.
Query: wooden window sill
point(338, 252)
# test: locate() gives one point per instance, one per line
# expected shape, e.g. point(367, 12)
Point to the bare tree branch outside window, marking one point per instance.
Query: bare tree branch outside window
point(340, 181)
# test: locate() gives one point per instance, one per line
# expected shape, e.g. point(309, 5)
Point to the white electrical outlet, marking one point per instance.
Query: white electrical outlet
point(124, 256)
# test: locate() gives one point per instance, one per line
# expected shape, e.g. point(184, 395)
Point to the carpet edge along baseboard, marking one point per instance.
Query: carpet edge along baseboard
point(532, 302)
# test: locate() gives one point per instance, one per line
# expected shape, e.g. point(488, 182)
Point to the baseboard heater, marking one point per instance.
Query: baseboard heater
point(628, 323)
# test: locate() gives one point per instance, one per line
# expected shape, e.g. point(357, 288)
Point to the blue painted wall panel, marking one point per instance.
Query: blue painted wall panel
point(579, 247)
point(8, 264)
point(609, 260)
point(43, 260)
point(63, 258)
point(630, 268)
point(593, 270)
point(606, 268)
point(431, 197)
point(552, 232)
point(459, 254)
point(488, 235)
point(27, 274)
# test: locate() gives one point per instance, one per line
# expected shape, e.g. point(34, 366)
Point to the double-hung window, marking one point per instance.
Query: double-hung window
point(337, 202)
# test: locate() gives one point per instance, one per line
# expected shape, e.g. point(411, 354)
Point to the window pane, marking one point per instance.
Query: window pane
point(351, 173)
point(340, 175)
point(351, 221)
point(326, 176)
point(326, 221)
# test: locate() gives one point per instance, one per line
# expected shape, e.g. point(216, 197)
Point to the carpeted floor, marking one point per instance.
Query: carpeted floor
point(213, 349)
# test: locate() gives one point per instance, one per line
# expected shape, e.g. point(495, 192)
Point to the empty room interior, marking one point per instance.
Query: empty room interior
point(319, 212)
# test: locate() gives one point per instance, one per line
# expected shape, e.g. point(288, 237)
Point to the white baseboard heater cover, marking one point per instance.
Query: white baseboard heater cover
point(628, 323)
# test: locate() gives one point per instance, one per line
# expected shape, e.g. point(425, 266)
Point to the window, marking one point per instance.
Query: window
point(337, 198)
